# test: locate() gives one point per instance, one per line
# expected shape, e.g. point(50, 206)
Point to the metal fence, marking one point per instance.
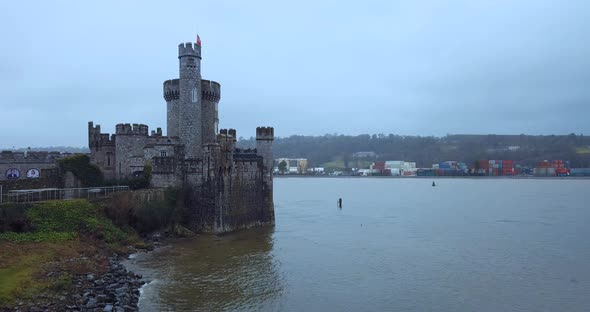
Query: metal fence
point(23, 196)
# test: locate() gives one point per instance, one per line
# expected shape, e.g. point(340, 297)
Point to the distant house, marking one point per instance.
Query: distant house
point(294, 165)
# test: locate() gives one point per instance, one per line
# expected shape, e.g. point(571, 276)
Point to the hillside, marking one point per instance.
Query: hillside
point(525, 149)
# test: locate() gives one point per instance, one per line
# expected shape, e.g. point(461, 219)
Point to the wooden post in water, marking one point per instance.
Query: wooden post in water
point(339, 202)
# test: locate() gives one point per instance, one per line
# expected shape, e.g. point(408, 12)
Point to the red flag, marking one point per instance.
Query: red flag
point(198, 40)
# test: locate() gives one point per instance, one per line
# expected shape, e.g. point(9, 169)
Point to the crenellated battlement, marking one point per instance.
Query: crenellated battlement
point(245, 151)
point(157, 132)
point(247, 158)
point(189, 49)
point(233, 133)
point(265, 133)
point(228, 135)
point(171, 90)
point(210, 91)
point(226, 188)
point(97, 139)
point(131, 129)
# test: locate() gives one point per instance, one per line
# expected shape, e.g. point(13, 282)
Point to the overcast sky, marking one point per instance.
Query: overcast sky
point(304, 67)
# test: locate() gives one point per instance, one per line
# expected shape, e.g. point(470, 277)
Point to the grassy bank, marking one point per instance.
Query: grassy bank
point(44, 245)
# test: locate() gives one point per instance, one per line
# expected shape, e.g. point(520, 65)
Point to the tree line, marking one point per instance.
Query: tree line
point(427, 150)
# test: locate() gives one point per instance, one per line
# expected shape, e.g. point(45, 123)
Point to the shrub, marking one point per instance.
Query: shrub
point(151, 216)
point(144, 216)
point(12, 218)
point(88, 174)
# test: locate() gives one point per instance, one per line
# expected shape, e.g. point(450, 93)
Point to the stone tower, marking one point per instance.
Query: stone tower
point(211, 93)
point(188, 110)
point(264, 139)
point(225, 188)
point(172, 96)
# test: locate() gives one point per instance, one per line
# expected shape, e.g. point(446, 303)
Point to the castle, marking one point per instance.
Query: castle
point(228, 188)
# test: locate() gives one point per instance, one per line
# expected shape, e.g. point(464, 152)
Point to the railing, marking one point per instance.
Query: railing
point(33, 195)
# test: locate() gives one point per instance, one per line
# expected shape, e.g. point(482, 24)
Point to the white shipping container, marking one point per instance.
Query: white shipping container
point(395, 171)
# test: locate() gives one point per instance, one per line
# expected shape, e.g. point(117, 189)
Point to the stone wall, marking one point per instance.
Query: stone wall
point(225, 189)
point(247, 197)
point(102, 150)
point(230, 196)
point(50, 178)
point(141, 196)
point(129, 150)
point(25, 161)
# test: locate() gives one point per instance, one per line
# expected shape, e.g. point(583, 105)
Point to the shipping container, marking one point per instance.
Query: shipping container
point(379, 165)
point(580, 172)
point(540, 172)
point(425, 172)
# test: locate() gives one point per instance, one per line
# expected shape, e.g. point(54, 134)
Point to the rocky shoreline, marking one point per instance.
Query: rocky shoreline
point(117, 290)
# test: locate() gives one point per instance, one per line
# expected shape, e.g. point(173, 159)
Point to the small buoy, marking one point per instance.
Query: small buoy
point(433, 184)
point(339, 202)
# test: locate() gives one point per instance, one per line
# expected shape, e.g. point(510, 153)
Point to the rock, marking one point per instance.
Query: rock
point(90, 277)
point(91, 304)
point(129, 308)
point(181, 231)
point(108, 308)
point(120, 291)
point(102, 298)
point(119, 309)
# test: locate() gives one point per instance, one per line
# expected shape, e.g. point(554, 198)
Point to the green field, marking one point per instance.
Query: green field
point(338, 164)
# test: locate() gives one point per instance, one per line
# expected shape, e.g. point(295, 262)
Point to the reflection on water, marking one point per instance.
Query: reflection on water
point(396, 245)
point(211, 273)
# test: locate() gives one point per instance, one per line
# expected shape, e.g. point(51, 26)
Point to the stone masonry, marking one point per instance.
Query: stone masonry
point(228, 188)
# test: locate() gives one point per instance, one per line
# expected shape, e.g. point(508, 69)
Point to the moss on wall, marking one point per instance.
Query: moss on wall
point(88, 174)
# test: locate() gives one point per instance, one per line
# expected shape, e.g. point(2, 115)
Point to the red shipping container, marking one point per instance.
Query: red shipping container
point(379, 165)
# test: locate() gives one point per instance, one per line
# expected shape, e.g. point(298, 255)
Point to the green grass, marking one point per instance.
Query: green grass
point(55, 231)
point(14, 280)
point(65, 220)
point(38, 236)
point(583, 150)
point(338, 164)
point(24, 267)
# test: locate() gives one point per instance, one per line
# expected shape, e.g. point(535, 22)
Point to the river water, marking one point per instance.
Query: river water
point(396, 245)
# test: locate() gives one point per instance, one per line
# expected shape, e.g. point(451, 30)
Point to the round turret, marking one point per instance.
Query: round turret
point(172, 96)
point(210, 90)
point(171, 90)
point(210, 95)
